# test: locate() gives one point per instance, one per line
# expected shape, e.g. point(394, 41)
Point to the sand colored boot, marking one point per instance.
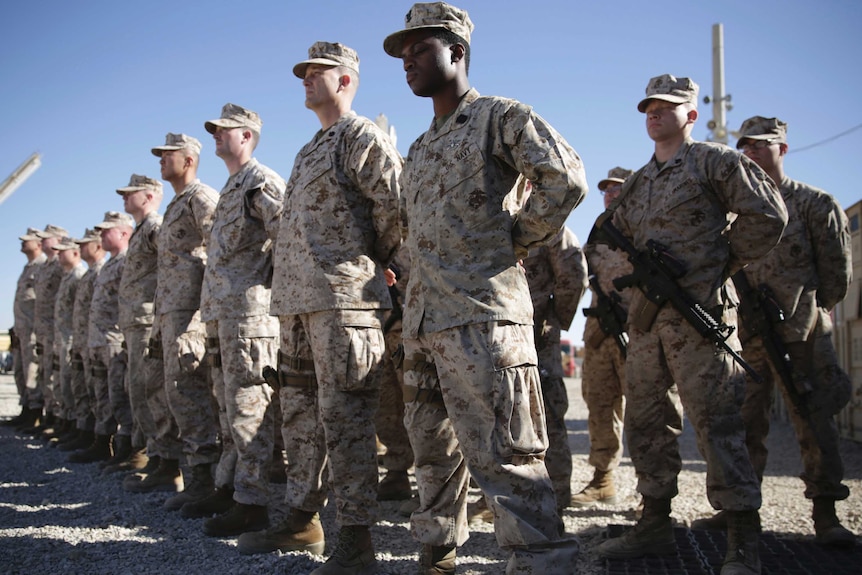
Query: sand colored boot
point(300, 531)
point(600, 490)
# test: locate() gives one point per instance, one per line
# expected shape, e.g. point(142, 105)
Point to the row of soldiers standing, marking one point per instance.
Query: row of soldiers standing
point(473, 397)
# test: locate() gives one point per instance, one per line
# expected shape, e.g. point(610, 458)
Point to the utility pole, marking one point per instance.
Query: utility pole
point(18, 177)
point(720, 101)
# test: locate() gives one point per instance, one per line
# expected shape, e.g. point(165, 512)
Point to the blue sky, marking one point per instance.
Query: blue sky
point(93, 85)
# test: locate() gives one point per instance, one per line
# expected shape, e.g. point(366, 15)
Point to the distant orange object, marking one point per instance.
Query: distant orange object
point(567, 356)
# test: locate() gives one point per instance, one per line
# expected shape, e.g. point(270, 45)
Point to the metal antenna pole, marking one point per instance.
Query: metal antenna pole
point(720, 101)
point(21, 173)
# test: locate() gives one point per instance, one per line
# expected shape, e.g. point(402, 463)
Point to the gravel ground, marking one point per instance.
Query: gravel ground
point(57, 517)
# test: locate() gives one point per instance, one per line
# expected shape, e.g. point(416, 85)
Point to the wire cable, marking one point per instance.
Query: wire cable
point(826, 141)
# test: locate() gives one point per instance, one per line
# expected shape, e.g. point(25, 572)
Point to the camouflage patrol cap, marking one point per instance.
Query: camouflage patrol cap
point(52, 231)
point(31, 235)
point(138, 183)
point(760, 128)
point(178, 142)
point(670, 89)
point(615, 175)
point(428, 15)
point(328, 54)
point(90, 235)
point(233, 116)
point(65, 244)
point(115, 220)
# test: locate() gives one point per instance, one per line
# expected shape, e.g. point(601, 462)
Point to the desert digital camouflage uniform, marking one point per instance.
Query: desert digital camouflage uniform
point(603, 384)
point(809, 272)
point(107, 356)
point(24, 313)
point(470, 356)
point(82, 376)
point(557, 276)
point(329, 284)
point(182, 241)
point(145, 371)
point(243, 337)
point(64, 330)
point(389, 420)
point(47, 284)
point(686, 205)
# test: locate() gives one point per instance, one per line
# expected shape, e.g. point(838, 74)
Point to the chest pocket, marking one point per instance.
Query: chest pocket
point(461, 162)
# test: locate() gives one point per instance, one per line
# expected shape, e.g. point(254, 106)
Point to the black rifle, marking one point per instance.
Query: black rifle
point(610, 314)
point(655, 272)
point(759, 313)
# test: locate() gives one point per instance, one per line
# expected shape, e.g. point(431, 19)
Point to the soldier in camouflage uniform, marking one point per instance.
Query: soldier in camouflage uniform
point(808, 272)
point(242, 336)
point(92, 252)
point(472, 388)
point(182, 256)
point(330, 294)
point(69, 256)
point(557, 276)
point(113, 412)
point(26, 360)
point(603, 381)
point(47, 284)
point(683, 199)
point(397, 458)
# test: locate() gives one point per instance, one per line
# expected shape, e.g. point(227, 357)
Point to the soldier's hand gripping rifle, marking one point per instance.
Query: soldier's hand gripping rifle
point(655, 272)
point(759, 313)
point(610, 314)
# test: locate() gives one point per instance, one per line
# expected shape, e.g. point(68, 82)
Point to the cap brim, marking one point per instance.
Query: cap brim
point(29, 238)
point(664, 97)
point(392, 43)
point(83, 241)
point(604, 183)
point(157, 151)
point(211, 125)
point(299, 69)
point(63, 248)
point(130, 189)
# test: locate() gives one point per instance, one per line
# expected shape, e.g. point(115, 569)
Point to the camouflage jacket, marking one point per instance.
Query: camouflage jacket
point(811, 266)
point(65, 305)
point(557, 276)
point(138, 285)
point(340, 225)
point(713, 209)
point(25, 296)
point(47, 284)
point(606, 264)
point(464, 246)
point(239, 253)
point(81, 309)
point(182, 248)
point(105, 306)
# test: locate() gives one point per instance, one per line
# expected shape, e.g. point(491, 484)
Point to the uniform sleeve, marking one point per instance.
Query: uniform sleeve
point(376, 170)
point(265, 202)
point(203, 211)
point(570, 275)
point(830, 238)
point(760, 212)
point(557, 174)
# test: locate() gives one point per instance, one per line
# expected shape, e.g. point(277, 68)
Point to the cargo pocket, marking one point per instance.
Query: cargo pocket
point(364, 358)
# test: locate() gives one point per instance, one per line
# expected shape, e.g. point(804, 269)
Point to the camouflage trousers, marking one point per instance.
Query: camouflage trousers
point(113, 411)
point(42, 394)
point(474, 400)
point(817, 432)
point(82, 389)
point(189, 393)
point(330, 366)
point(26, 365)
point(64, 405)
point(146, 386)
point(389, 421)
point(603, 390)
point(711, 388)
point(240, 348)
